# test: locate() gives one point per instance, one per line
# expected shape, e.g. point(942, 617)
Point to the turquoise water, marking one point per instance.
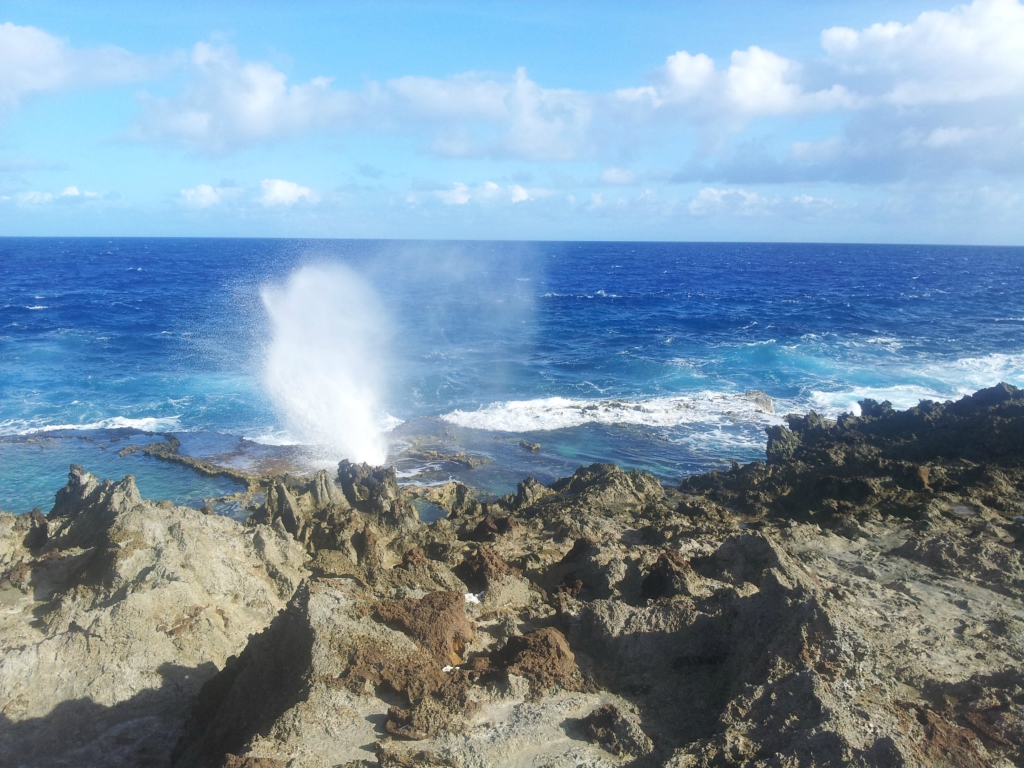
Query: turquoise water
point(640, 353)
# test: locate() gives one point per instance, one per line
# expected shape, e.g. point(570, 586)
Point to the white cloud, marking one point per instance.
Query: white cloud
point(520, 194)
point(459, 194)
point(34, 198)
point(812, 203)
point(710, 201)
point(489, 191)
point(618, 176)
point(545, 123)
point(970, 53)
point(756, 82)
point(33, 61)
point(490, 114)
point(200, 196)
point(929, 98)
point(937, 98)
point(288, 193)
point(466, 95)
point(232, 103)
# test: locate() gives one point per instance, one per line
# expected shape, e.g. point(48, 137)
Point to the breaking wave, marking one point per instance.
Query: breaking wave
point(562, 413)
point(18, 427)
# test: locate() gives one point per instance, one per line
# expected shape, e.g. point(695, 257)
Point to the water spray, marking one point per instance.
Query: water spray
point(325, 361)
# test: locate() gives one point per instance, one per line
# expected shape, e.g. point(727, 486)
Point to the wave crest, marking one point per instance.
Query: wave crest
point(562, 413)
point(145, 424)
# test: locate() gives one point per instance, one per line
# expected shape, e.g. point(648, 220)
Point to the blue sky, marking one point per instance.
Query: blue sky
point(829, 121)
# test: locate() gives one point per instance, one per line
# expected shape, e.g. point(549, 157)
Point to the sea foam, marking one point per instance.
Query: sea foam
point(14, 427)
point(562, 413)
point(911, 382)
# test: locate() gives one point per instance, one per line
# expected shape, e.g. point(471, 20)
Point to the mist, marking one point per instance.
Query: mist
point(326, 361)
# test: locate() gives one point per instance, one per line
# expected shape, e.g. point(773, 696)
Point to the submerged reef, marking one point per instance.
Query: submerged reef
point(855, 599)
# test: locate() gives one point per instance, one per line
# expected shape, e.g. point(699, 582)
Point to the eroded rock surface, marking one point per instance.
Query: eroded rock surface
point(112, 621)
point(853, 600)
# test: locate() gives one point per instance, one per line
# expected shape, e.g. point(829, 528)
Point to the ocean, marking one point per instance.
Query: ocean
point(528, 358)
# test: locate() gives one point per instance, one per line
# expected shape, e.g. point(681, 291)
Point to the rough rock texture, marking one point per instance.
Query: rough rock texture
point(436, 622)
point(854, 600)
point(115, 618)
point(616, 731)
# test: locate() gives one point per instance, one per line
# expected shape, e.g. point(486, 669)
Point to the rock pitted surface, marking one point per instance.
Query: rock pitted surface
point(853, 600)
point(115, 611)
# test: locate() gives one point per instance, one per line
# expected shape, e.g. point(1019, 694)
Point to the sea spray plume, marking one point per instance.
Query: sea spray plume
point(464, 319)
point(324, 363)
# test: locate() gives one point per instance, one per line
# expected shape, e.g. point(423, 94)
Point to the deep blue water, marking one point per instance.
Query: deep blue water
point(634, 352)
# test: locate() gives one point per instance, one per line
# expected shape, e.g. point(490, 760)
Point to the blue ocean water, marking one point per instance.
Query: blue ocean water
point(642, 353)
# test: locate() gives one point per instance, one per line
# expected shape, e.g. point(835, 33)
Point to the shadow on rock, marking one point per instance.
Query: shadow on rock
point(136, 732)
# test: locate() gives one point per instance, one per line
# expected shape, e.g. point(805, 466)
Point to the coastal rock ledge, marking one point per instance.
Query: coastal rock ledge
point(855, 599)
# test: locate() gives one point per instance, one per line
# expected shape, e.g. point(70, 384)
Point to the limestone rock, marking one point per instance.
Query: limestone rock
point(120, 616)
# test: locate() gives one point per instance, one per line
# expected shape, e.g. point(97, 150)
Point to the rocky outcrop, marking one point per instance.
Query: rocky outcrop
point(918, 464)
point(853, 600)
point(115, 617)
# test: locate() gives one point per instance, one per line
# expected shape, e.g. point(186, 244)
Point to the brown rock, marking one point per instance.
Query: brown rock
point(483, 567)
point(570, 585)
point(437, 622)
point(491, 527)
point(414, 558)
point(544, 658)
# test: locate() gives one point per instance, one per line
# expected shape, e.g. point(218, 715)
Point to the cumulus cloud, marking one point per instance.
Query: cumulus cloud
point(461, 193)
point(232, 103)
point(500, 116)
point(33, 61)
point(466, 95)
point(970, 53)
point(618, 176)
point(936, 98)
point(286, 193)
point(711, 201)
point(757, 82)
point(744, 203)
point(739, 202)
point(200, 196)
point(900, 75)
point(33, 198)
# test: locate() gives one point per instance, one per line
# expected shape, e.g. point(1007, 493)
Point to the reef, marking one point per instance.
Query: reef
point(854, 599)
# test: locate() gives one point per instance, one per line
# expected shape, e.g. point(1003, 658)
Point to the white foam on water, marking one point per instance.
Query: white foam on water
point(387, 422)
point(562, 413)
point(969, 374)
point(282, 437)
point(15, 427)
point(272, 438)
point(324, 367)
point(718, 441)
point(901, 396)
point(939, 381)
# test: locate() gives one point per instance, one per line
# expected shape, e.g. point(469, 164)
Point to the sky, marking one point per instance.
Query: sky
point(741, 120)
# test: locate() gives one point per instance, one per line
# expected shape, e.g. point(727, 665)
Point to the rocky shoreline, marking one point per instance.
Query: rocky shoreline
point(855, 599)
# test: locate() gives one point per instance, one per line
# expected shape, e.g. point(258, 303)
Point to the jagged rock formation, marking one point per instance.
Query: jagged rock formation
point(115, 611)
point(853, 600)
